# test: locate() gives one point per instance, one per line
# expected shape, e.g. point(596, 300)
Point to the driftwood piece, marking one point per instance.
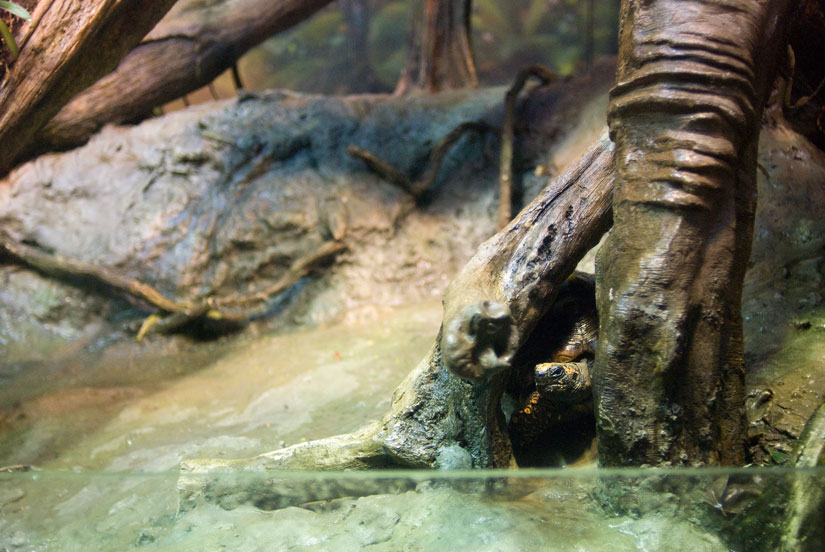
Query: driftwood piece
point(232, 309)
point(188, 49)
point(437, 419)
point(522, 266)
point(67, 47)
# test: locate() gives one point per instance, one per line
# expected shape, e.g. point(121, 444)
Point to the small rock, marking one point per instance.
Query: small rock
point(453, 457)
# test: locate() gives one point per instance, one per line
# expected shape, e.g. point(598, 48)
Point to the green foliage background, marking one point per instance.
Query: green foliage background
point(317, 55)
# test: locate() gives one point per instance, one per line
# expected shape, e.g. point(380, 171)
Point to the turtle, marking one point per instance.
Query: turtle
point(550, 381)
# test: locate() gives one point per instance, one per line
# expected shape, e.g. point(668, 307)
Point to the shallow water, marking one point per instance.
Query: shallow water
point(102, 438)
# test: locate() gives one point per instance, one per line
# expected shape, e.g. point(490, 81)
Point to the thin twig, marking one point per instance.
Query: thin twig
point(236, 77)
point(439, 151)
point(382, 168)
point(59, 266)
point(300, 268)
point(175, 314)
point(804, 99)
point(419, 187)
point(505, 206)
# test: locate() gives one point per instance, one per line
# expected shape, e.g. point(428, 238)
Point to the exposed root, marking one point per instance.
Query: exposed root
point(232, 310)
point(58, 266)
point(231, 483)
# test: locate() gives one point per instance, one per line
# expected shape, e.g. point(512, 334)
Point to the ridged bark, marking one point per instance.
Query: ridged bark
point(188, 49)
point(692, 80)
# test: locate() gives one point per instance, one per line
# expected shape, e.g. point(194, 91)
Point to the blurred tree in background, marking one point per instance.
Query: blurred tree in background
point(361, 45)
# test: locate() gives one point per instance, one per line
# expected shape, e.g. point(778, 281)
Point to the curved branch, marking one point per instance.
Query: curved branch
point(416, 189)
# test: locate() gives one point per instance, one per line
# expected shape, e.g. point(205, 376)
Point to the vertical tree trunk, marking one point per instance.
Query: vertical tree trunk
point(441, 53)
point(692, 80)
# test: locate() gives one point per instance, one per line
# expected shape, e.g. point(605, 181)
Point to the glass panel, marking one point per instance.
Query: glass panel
point(568, 509)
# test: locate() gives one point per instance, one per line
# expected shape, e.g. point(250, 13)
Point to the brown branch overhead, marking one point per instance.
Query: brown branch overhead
point(194, 44)
point(67, 47)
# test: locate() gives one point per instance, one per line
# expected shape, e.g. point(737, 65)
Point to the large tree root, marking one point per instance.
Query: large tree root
point(437, 419)
point(172, 315)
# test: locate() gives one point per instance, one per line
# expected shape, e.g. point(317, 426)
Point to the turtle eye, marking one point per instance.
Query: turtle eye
point(556, 372)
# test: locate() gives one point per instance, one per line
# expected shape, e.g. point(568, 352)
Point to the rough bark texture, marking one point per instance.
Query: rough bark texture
point(441, 54)
point(67, 47)
point(188, 49)
point(692, 80)
point(519, 269)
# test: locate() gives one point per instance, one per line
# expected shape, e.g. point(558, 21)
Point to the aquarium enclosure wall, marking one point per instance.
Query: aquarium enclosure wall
point(412, 275)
